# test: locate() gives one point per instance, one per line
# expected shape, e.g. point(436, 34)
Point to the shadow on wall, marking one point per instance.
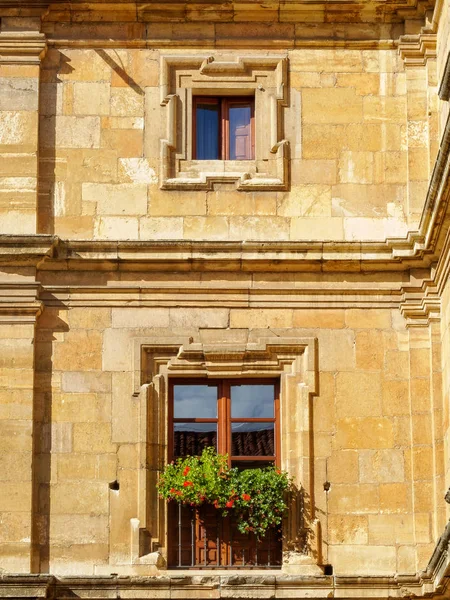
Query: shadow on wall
point(57, 188)
point(47, 438)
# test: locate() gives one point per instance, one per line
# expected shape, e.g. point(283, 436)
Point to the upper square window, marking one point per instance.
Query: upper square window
point(224, 128)
point(223, 121)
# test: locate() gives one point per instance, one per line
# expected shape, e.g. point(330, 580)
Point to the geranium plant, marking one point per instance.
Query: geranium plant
point(256, 497)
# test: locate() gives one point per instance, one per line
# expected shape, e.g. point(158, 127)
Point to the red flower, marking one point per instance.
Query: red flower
point(246, 497)
point(186, 471)
point(229, 504)
point(178, 493)
point(216, 503)
point(173, 490)
point(187, 483)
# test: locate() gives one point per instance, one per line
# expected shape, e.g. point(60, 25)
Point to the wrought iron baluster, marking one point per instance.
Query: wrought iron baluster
point(192, 538)
point(179, 535)
point(205, 544)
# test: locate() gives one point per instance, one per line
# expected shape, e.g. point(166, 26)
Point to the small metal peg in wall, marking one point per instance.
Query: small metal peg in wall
point(260, 88)
point(326, 486)
point(114, 485)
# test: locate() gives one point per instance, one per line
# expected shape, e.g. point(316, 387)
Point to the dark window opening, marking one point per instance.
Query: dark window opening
point(223, 128)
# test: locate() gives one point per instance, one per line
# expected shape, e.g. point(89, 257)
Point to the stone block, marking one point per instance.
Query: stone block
point(199, 317)
point(67, 530)
point(137, 171)
point(391, 529)
point(140, 317)
point(127, 102)
point(83, 408)
point(396, 364)
point(92, 438)
point(324, 404)
point(321, 172)
point(15, 497)
point(360, 318)
point(76, 466)
point(15, 436)
point(80, 351)
point(177, 204)
point(61, 438)
point(15, 466)
point(205, 228)
point(325, 60)
point(259, 228)
point(71, 132)
point(18, 93)
point(227, 203)
point(361, 560)
point(384, 108)
point(161, 228)
point(18, 129)
point(348, 529)
point(370, 432)
point(66, 498)
point(358, 394)
point(86, 382)
point(325, 106)
point(332, 318)
point(395, 498)
point(314, 228)
point(127, 143)
point(369, 350)
point(91, 98)
point(117, 199)
point(395, 397)
point(125, 410)
point(422, 463)
point(89, 318)
point(406, 559)
point(353, 499)
point(381, 466)
point(336, 349)
point(306, 200)
point(356, 167)
point(342, 467)
point(14, 526)
point(260, 318)
point(116, 228)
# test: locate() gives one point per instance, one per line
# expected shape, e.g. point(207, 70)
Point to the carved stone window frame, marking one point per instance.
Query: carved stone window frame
point(293, 360)
point(265, 78)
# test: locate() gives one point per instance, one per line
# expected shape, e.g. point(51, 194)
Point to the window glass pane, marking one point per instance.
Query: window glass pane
point(252, 401)
point(207, 131)
point(191, 438)
point(195, 401)
point(252, 439)
point(240, 132)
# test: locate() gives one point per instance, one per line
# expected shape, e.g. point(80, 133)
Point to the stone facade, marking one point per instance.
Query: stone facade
point(324, 262)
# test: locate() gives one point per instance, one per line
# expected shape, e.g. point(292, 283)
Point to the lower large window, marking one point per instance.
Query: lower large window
point(239, 418)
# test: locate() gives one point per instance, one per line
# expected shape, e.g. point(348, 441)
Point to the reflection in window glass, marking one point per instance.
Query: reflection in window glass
point(240, 132)
point(207, 134)
point(195, 402)
point(252, 401)
point(189, 439)
point(252, 439)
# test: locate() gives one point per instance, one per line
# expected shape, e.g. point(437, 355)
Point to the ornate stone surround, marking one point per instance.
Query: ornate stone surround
point(265, 78)
point(220, 354)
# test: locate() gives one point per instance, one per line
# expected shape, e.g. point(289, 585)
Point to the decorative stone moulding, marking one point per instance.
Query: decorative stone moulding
point(22, 48)
point(263, 77)
point(219, 354)
point(416, 50)
point(444, 88)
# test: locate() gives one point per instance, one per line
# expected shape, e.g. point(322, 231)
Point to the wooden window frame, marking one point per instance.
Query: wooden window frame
point(224, 103)
point(224, 419)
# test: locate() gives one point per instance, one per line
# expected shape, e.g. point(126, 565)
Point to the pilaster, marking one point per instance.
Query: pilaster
point(22, 47)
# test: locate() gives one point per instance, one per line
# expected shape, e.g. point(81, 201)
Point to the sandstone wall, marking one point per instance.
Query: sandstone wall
point(377, 433)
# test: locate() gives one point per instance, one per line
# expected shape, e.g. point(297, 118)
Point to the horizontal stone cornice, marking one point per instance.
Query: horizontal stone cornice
point(416, 50)
point(19, 302)
point(25, 48)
